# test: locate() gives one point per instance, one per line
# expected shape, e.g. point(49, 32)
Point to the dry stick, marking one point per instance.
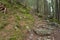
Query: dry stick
point(5, 10)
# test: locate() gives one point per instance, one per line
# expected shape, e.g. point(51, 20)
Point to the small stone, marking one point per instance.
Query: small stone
point(53, 24)
point(31, 37)
point(20, 17)
point(31, 34)
point(39, 38)
point(27, 27)
point(47, 21)
point(48, 39)
point(16, 28)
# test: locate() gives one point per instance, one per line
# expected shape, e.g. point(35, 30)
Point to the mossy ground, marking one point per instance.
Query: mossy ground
point(13, 23)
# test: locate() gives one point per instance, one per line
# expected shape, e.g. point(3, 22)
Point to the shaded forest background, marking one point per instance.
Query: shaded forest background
point(42, 7)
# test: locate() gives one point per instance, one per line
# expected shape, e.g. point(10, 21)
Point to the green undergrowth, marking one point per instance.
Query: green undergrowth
point(15, 21)
point(55, 20)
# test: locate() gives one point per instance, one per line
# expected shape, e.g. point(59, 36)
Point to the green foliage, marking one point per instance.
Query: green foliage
point(54, 20)
point(12, 39)
point(15, 15)
point(23, 10)
point(3, 24)
point(3, 20)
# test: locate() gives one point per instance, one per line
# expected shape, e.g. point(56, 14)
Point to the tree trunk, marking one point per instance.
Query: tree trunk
point(57, 9)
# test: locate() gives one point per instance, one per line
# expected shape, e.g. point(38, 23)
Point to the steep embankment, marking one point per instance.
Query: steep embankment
point(13, 24)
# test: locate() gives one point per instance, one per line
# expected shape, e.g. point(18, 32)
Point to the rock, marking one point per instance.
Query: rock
point(50, 17)
point(53, 24)
point(27, 27)
point(39, 38)
point(20, 17)
point(46, 20)
point(42, 31)
point(48, 39)
point(31, 36)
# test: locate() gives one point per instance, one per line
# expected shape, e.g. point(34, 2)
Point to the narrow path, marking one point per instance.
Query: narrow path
point(41, 25)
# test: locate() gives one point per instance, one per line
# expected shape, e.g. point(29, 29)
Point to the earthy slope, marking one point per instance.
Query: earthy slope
point(13, 24)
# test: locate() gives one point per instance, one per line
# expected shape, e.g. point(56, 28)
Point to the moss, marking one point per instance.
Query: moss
point(3, 24)
point(12, 39)
point(18, 14)
point(17, 17)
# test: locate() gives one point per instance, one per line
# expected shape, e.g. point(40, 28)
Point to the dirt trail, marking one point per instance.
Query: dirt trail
point(32, 35)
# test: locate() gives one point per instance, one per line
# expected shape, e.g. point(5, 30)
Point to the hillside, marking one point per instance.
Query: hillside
point(23, 23)
point(13, 24)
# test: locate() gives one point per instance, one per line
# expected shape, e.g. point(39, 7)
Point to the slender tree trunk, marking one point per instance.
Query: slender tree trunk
point(37, 6)
point(57, 9)
point(46, 11)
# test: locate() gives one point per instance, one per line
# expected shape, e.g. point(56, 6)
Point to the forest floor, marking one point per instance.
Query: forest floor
point(34, 33)
point(13, 23)
point(20, 24)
